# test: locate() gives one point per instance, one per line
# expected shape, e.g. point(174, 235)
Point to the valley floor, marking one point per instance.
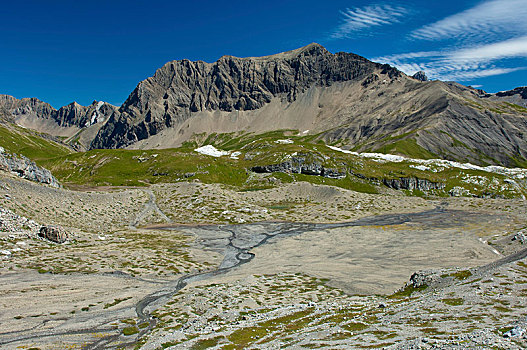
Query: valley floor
point(193, 265)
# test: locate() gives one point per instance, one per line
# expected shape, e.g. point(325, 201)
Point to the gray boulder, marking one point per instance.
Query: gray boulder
point(424, 278)
point(53, 233)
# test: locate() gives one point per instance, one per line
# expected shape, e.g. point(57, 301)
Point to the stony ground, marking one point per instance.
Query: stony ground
point(326, 288)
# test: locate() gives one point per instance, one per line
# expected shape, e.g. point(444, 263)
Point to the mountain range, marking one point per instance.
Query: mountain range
point(340, 99)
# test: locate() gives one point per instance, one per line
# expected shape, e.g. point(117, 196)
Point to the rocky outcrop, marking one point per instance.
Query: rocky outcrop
point(27, 169)
point(421, 76)
point(307, 164)
point(413, 183)
point(181, 88)
point(53, 233)
point(81, 116)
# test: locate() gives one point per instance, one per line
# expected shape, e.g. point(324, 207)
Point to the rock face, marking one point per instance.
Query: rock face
point(340, 97)
point(81, 116)
point(181, 88)
point(413, 183)
point(307, 164)
point(27, 169)
point(74, 125)
point(53, 233)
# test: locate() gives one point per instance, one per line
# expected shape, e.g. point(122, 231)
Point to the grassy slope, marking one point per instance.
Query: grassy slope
point(140, 168)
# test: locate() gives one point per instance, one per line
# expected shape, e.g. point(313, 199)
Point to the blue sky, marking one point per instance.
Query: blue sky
point(64, 51)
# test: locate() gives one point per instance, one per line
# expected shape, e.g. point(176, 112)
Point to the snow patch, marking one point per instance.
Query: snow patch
point(420, 167)
point(210, 150)
point(235, 155)
point(517, 173)
point(284, 142)
point(99, 105)
point(2, 150)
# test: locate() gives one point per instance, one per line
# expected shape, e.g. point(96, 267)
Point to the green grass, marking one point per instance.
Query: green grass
point(288, 324)
point(115, 302)
point(206, 343)
point(407, 147)
point(460, 275)
point(30, 144)
point(406, 292)
point(453, 301)
point(130, 330)
point(516, 107)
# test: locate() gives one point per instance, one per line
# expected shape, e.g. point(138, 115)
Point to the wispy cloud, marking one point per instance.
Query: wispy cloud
point(493, 18)
point(358, 19)
point(462, 64)
point(516, 47)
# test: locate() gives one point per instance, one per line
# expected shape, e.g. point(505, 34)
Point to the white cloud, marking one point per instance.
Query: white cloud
point(493, 18)
point(466, 75)
point(516, 47)
point(358, 19)
point(461, 64)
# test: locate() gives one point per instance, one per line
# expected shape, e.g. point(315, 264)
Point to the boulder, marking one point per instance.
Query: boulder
point(514, 332)
point(53, 233)
point(424, 278)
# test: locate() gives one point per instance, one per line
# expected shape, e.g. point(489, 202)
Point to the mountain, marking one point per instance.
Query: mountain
point(182, 91)
point(77, 124)
point(342, 99)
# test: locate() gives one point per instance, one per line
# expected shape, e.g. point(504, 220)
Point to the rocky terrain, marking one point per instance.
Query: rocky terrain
point(269, 285)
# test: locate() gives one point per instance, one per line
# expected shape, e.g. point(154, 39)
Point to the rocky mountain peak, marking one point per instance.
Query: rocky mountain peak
point(181, 88)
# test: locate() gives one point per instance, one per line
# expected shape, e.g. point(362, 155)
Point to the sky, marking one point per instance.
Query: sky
point(64, 51)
